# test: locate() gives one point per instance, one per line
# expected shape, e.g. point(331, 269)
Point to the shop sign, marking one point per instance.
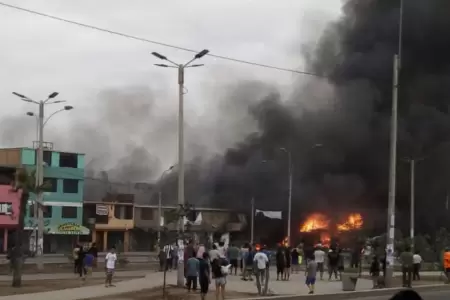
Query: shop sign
point(69, 227)
point(101, 210)
point(5, 208)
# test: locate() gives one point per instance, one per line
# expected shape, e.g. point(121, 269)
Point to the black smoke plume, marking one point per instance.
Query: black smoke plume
point(351, 121)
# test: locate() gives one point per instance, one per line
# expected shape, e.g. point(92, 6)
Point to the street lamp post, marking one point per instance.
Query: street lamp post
point(290, 173)
point(38, 203)
point(393, 159)
point(160, 205)
point(181, 202)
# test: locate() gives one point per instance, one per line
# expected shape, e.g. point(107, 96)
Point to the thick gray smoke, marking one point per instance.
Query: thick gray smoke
point(350, 171)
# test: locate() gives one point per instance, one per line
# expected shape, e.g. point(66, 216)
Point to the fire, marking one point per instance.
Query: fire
point(315, 222)
point(285, 242)
point(354, 221)
point(325, 239)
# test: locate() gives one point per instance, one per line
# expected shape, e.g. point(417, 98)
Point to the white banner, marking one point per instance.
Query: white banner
point(269, 214)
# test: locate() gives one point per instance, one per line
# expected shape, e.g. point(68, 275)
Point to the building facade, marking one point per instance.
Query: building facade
point(110, 222)
point(9, 208)
point(204, 223)
point(63, 201)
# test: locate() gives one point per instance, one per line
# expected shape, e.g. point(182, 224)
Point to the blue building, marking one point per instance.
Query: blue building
point(63, 211)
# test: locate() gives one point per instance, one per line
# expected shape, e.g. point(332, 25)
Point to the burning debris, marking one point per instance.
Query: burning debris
point(319, 223)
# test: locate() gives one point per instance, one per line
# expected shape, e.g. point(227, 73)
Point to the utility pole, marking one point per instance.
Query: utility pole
point(290, 199)
point(393, 160)
point(181, 200)
point(40, 181)
point(412, 163)
point(252, 220)
point(159, 220)
point(39, 201)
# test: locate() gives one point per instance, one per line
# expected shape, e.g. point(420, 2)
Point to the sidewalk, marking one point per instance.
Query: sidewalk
point(31, 277)
point(150, 281)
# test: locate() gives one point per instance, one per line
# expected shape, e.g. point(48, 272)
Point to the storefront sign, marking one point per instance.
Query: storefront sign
point(69, 227)
point(101, 210)
point(5, 208)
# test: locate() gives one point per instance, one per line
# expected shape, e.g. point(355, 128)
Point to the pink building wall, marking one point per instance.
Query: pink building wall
point(8, 196)
point(12, 220)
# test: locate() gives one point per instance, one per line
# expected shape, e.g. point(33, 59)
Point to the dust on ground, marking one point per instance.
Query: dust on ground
point(37, 286)
point(172, 293)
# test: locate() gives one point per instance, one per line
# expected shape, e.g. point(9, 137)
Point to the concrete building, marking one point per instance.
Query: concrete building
point(9, 208)
point(63, 211)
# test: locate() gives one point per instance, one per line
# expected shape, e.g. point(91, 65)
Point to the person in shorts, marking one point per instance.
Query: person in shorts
point(311, 272)
point(89, 261)
point(220, 277)
point(110, 264)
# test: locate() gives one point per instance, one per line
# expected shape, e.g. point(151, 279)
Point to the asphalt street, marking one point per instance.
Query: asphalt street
point(430, 295)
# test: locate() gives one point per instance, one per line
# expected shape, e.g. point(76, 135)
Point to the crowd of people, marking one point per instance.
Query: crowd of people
point(85, 259)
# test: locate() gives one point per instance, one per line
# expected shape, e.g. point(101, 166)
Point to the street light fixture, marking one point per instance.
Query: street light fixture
point(39, 239)
point(181, 202)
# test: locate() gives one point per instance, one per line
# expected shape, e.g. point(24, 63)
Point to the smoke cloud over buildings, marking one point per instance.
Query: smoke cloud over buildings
point(336, 126)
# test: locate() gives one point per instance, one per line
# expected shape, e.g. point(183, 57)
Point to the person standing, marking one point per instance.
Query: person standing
point(446, 263)
point(311, 273)
point(233, 255)
point(262, 264)
point(319, 258)
point(110, 259)
point(214, 253)
point(94, 251)
point(333, 261)
point(406, 258)
point(295, 260)
point(88, 264)
point(168, 251)
point(244, 252)
point(218, 266)
point(375, 271)
point(417, 261)
point(192, 271)
point(204, 275)
point(249, 264)
point(287, 267)
point(281, 262)
point(75, 255)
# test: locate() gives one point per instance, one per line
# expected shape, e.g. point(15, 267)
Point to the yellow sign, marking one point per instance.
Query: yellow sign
point(69, 227)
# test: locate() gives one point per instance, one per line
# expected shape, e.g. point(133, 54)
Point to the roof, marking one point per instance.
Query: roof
point(30, 148)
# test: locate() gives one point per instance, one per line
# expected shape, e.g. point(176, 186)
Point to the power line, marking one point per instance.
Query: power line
point(129, 36)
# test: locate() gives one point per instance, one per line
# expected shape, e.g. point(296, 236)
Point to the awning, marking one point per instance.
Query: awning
point(67, 229)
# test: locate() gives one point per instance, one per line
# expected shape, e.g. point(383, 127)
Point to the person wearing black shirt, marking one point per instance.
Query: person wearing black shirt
point(219, 277)
point(94, 251)
point(204, 275)
point(375, 271)
point(333, 260)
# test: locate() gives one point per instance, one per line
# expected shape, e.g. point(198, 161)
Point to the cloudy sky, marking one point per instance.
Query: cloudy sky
point(108, 78)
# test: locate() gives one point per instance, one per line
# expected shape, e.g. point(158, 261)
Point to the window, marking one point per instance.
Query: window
point(47, 211)
point(47, 156)
point(70, 186)
point(146, 213)
point(123, 212)
point(51, 185)
point(68, 212)
point(31, 210)
point(68, 160)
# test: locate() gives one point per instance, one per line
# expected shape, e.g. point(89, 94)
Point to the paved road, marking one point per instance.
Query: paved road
point(436, 295)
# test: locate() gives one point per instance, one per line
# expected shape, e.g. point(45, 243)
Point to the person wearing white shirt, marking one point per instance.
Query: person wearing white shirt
point(417, 261)
point(319, 258)
point(110, 261)
point(262, 263)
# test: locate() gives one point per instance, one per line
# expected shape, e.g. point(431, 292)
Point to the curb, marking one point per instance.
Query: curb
point(356, 294)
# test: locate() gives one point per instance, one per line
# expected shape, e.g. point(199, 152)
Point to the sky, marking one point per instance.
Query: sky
point(90, 68)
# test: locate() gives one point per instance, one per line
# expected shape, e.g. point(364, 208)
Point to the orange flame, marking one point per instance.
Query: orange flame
point(284, 242)
point(325, 239)
point(354, 221)
point(315, 222)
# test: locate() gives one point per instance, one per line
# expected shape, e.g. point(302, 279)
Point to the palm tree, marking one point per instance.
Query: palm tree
point(25, 183)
